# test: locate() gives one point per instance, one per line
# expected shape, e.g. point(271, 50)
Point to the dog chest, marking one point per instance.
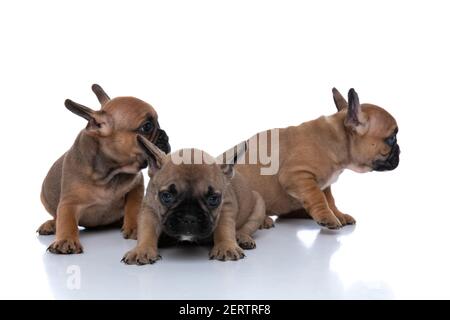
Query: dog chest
point(101, 215)
point(332, 179)
point(114, 192)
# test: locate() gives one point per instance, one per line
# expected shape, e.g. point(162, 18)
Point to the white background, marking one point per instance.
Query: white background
point(217, 72)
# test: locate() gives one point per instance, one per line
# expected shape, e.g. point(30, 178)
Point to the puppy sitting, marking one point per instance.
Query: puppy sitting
point(98, 181)
point(312, 155)
point(191, 200)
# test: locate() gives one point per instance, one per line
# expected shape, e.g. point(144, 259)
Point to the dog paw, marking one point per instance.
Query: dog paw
point(268, 223)
point(245, 241)
point(129, 232)
point(330, 222)
point(66, 246)
point(47, 228)
point(141, 256)
point(225, 251)
point(345, 219)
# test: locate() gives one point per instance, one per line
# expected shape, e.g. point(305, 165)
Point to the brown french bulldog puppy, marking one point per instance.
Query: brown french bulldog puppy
point(312, 155)
point(193, 199)
point(98, 181)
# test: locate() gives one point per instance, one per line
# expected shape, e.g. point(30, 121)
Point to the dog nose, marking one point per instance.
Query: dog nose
point(162, 141)
point(189, 220)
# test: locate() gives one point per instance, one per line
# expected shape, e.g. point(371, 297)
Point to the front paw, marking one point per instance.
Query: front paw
point(329, 221)
point(140, 256)
point(225, 251)
point(345, 219)
point(66, 246)
point(129, 232)
point(245, 241)
point(267, 223)
point(47, 228)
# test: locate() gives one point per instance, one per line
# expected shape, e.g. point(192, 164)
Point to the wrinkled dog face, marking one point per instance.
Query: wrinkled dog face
point(389, 157)
point(117, 124)
point(190, 205)
point(140, 119)
point(373, 134)
point(377, 148)
point(187, 196)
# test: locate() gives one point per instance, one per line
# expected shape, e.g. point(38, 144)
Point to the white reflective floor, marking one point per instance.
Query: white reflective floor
point(398, 249)
point(296, 260)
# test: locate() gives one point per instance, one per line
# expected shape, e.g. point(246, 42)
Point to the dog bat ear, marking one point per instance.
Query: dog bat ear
point(339, 100)
point(232, 156)
point(79, 109)
point(355, 118)
point(154, 155)
point(100, 93)
point(98, 123)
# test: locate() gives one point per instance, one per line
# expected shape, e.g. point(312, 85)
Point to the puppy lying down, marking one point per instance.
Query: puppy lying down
point(191, 197)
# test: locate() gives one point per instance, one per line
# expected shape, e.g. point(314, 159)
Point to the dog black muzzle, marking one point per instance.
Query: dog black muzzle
point(188, 223)
point(162, 141)
point(391, 161)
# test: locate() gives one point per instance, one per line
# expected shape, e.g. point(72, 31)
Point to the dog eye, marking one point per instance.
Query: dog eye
point(391, 140)
point(146, 128)
point(166, 198)
point(214, 200)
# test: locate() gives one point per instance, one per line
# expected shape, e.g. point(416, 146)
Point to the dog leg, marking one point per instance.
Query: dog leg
point(258, 215)
point(345, 219)
point(146, 250)
point(67, 239)
point(47, 228)
point(225, 244)
point(133, 202)
point(305, 189)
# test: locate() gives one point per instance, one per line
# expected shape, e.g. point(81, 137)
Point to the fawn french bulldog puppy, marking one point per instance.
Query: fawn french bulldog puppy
point(359, 137)
point(192, 200)
point(98, 181)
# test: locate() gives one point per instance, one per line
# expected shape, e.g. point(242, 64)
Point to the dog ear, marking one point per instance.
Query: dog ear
point(98, 122)
point(100, 93)
point(155, 156)
point(231, 158)
point(339, 100)
point(355, 118)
